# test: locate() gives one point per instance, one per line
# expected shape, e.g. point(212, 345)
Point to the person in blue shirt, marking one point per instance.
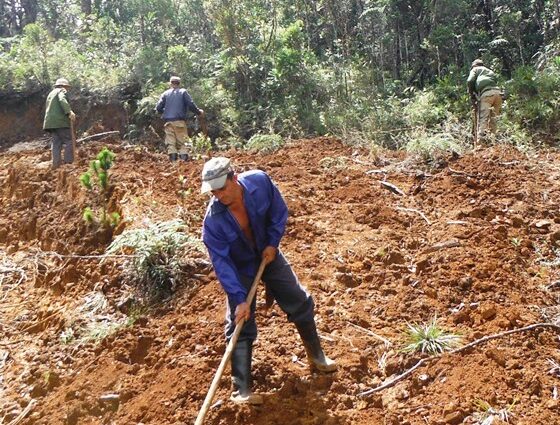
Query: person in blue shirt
point(174, 104)
point(244, 224)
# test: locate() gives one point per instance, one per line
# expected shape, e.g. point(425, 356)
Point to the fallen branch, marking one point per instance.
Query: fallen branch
point(452, 243)
point(24, 413)
point(98, 136)
point(371, 333)
point(43, 321)
point(458, 222)
point(456, 351)
point(420, 213)
point(392, 188)
point(461, 173)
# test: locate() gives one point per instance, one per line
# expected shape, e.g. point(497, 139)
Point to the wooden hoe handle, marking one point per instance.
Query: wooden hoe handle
point(229, 350)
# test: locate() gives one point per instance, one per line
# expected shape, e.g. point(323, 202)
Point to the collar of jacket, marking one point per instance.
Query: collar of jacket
point(248, 187)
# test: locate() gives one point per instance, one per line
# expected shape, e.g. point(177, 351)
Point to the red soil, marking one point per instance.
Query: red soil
point(370, 266)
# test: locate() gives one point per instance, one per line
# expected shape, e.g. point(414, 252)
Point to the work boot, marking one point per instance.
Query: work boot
point(241, 374)
point(173, 157)
point(184, 157)
point(315, 355)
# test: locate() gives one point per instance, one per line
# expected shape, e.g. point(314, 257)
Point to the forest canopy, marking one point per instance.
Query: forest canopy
point(388, 72)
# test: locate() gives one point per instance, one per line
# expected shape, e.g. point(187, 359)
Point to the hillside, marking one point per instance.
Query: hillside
point(474, 243)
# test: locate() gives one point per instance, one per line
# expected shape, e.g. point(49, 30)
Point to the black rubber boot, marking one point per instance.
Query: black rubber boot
point(315, 355)
point(173, 157)
point(184, 157)
point(241, 374)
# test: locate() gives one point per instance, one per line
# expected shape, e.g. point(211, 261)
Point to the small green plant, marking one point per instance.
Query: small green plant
point(516, 242)
point(338, 162)
point(201, 144)
point(67, 336)
point(159, 254)
point(430, 338)
point(487, 414)
point(97, 181)
point(265, 143)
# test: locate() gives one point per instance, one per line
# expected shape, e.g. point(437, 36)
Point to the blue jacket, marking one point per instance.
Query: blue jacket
point(230, 251)
point(174, 104)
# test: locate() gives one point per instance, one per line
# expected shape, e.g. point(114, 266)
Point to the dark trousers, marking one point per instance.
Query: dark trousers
point(284, 286)
point(61, 138)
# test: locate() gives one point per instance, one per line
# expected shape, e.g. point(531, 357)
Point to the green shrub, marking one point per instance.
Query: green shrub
point(265, 143)
point(159, 254)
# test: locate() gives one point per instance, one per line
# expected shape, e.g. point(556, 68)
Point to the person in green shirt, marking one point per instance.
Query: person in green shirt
point(58, 115)
point(482, 85)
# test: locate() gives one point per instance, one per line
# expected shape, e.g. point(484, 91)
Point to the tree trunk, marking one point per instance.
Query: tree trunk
point(30, 11)
point(86, 6)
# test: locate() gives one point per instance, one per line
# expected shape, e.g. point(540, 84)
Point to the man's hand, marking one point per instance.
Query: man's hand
point(72, 116)
point(269, 254)
point(242, 311)
point(202, 113)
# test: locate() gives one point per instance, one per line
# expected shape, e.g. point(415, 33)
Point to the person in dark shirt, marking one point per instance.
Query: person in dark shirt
point(173, 105)
point(244, 224)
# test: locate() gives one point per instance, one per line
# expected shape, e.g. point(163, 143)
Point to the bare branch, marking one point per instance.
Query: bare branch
point(412, 210)
point(422, 362)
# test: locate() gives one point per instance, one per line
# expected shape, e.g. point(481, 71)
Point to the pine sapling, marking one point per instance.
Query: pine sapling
point(97, 181)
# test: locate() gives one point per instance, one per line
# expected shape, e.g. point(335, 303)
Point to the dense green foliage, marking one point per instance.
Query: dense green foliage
point(388, 72)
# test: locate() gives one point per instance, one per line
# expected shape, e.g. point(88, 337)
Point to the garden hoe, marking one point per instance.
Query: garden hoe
point(227, 354)
point(475, 121)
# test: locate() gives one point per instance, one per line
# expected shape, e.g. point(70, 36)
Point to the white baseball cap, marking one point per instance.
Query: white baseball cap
point(214, 174)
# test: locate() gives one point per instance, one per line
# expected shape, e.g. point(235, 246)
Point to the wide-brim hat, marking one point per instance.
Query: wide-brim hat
point(214, 174)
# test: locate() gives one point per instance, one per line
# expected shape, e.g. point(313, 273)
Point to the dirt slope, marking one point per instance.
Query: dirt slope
point(472, 243)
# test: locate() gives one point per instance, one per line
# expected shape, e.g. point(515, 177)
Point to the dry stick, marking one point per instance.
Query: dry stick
point(373, 334)
point(98, 136)
point(392, 188)
point(45, 320)
point(458, 350)
point(417, 212)
point(23, 414)
point(461, 173)
point(73, 132)
point(229, 350)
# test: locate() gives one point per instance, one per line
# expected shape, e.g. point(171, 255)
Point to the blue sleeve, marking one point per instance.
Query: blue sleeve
point(189, 104)
point(218, 249)
point(161, 104)
point(276, 217)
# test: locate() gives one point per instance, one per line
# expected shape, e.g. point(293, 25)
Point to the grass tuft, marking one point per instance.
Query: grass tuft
point(487, 414)
point(430, 338)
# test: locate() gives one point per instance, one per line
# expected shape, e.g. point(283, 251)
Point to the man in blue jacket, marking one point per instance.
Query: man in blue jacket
point(244, 223)
point(173, 105)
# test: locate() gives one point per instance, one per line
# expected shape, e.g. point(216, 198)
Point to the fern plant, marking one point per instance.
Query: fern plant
point(159, 253)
